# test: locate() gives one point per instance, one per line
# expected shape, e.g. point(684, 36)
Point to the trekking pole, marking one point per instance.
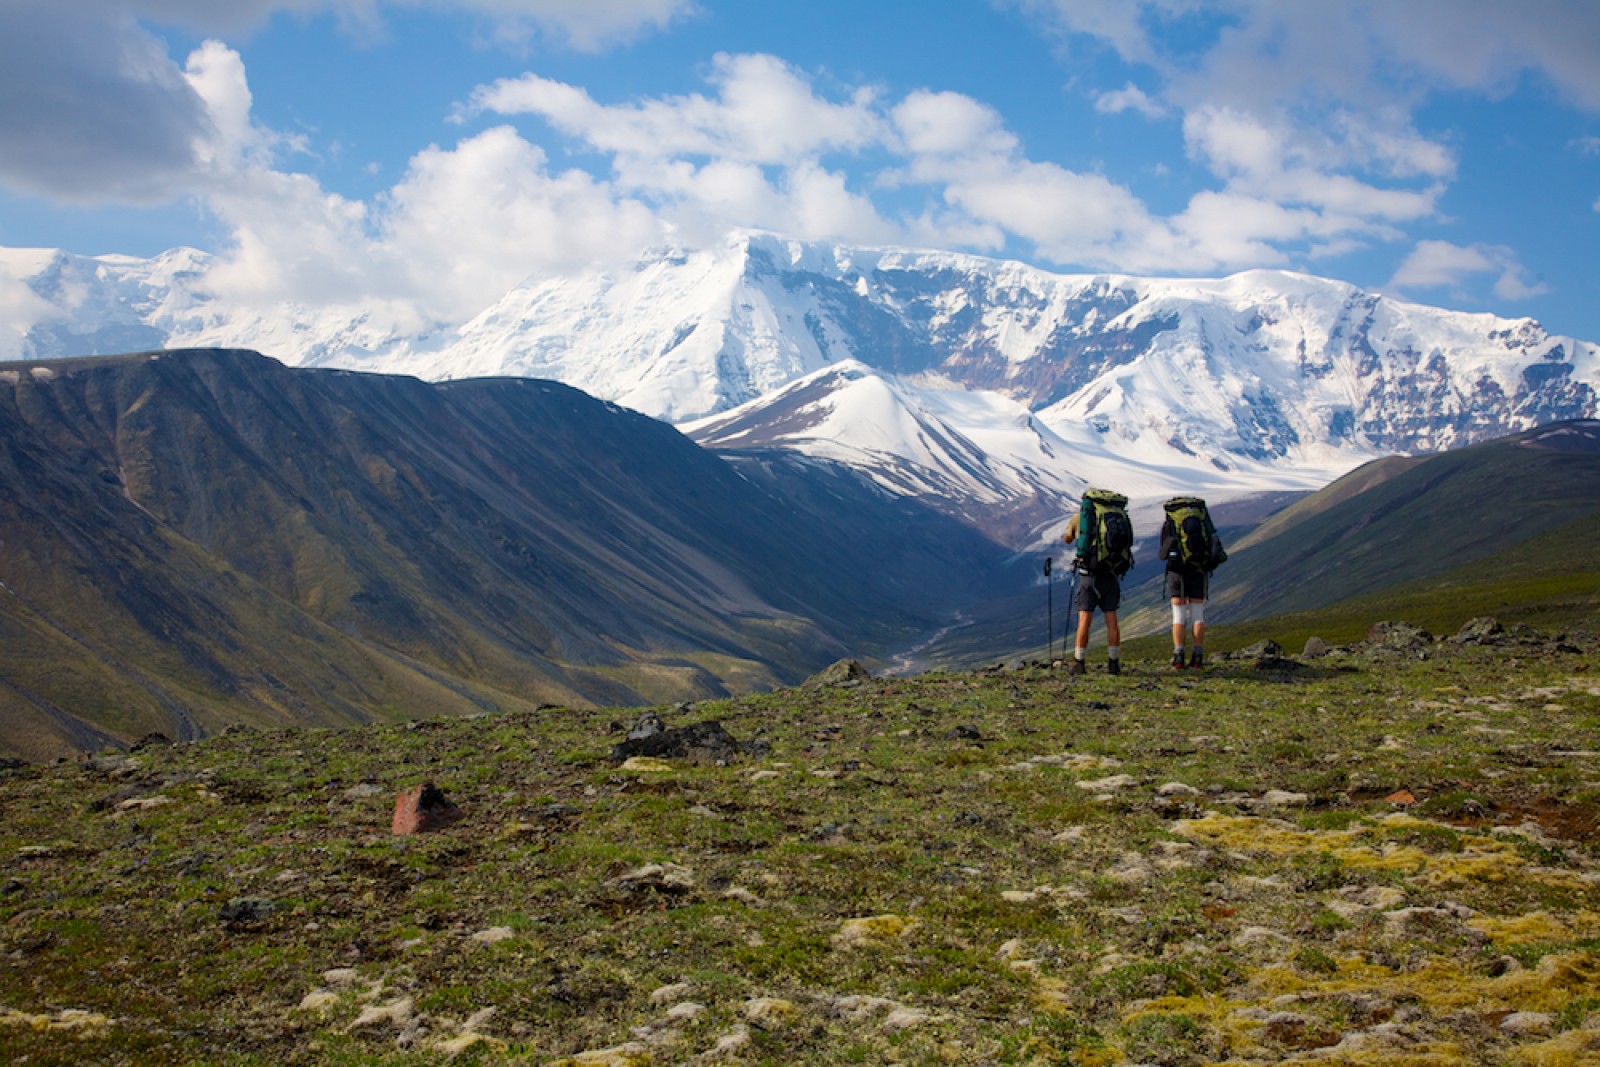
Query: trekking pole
point(1072, 614)
point(1050, 613)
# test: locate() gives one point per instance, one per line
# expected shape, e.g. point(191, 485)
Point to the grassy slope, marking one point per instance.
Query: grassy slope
point(1032, 895)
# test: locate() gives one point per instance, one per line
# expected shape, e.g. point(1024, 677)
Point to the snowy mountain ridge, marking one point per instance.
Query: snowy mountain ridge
point(986, 384)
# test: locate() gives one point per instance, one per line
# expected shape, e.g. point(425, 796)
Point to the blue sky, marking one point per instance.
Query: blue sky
point(422, 156)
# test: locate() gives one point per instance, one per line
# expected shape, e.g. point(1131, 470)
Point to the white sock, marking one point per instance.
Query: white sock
point(1077, 654)
point(1113, 651)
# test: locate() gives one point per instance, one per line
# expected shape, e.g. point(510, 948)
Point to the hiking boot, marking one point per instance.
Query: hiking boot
point(1075, 667)
point(1113, 666)
point(1177, 659)
point(1198, 659)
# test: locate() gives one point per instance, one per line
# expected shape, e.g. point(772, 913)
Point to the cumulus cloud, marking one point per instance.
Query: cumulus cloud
point(763, 112)
point(1442, 265)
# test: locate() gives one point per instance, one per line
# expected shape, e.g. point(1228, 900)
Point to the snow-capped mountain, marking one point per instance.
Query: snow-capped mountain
point(986, 383)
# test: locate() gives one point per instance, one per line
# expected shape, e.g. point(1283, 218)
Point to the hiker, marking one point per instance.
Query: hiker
point(1103, 537)
point(1192, 549)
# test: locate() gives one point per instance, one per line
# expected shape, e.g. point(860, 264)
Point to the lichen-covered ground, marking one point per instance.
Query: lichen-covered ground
point(1376, 857)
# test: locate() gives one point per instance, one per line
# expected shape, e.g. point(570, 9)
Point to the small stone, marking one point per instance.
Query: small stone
point(770, 1013)
point(1528, 1023)
point(318, 1000)
point(663, 877)
point(1108, 785)
point(1315, 648)
point(397, 1012)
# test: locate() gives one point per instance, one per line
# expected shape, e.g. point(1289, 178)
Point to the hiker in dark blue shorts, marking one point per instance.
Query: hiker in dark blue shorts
point(1099, 589)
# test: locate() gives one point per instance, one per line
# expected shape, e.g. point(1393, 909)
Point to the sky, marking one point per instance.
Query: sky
point(421, 157)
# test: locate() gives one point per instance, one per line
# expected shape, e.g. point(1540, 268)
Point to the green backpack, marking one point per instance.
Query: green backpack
point(1198, 546)
point(1105, 535)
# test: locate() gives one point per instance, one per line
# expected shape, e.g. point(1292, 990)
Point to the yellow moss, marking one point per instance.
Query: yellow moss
point(646, 765)
point(1575, 1048)
point(1443, 985)
point(873, 929)
point(630, 1055)
point(1521, 929)
point(70, 1020)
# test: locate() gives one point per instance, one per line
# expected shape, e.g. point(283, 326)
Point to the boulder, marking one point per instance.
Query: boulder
point(706, 742)
point(1398, 636)
point(844, 672)
point(1482, 630)
point(423, 809)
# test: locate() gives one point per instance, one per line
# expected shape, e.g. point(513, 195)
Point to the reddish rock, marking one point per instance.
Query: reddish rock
point(425, 808)
point(1401, 798)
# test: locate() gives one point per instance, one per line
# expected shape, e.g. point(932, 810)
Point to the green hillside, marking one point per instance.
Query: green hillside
point(190, 540)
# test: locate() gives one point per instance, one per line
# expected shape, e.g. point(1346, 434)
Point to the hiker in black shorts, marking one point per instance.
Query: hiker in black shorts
point(1190, 545)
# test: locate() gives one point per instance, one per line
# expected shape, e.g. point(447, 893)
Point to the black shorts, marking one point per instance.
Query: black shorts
point(1099, 589)
point(1187, 584)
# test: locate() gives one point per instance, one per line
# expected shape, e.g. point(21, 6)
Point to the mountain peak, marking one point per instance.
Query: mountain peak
point(1264, 377)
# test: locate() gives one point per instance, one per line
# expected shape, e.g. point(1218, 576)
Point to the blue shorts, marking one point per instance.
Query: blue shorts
point(1099, 589)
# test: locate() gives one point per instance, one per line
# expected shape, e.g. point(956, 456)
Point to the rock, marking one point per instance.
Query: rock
point(150, 740)
point(1528, 1023)
point(1398, 636)
point(423, 809)
point(1316, 648)
point(1482, 630)
point(247, 909)
point(632, 1054)
point(397, 1012)
point(1268, 647)
point(707, 742)
point(660, 877)
point(647, 726)
point(770, 1013)
point(874, 929)
point(844, 672)
point(1109, 784)
point(363, 790)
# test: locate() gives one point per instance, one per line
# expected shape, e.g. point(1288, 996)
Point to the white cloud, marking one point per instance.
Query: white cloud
point(1129, 98)
point(764, 113)
point(1442, 265)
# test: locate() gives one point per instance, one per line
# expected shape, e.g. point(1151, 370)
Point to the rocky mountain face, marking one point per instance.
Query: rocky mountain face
point(1257, 382)
point(190, 539)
